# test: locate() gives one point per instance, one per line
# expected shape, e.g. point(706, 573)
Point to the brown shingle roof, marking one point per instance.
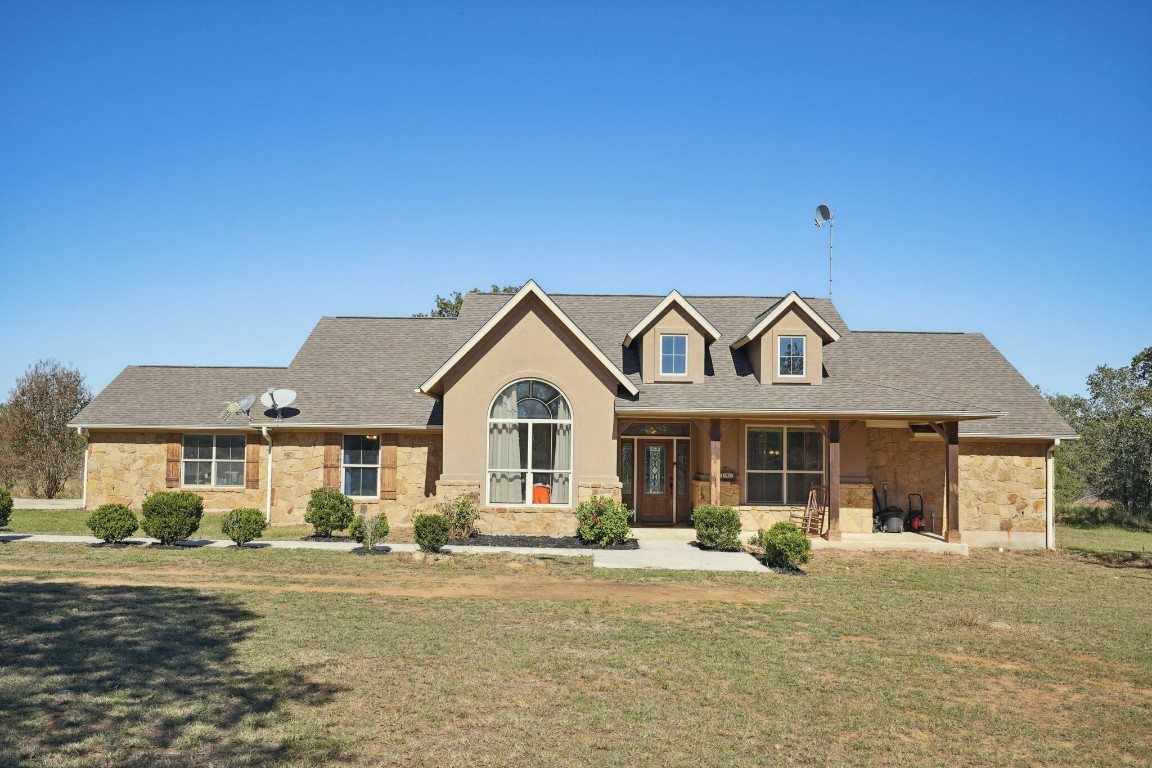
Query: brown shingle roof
point(360, 371)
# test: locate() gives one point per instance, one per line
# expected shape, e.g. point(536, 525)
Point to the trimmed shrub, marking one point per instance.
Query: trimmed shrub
point(431, 532)
point(462, 513)
point(785, 545)
point(329, 510)
point(603, 521)
point(717, 527)
point(112, 522)
point(369, 531)
point(244, 525)
point(172, 515)
point(5, 508)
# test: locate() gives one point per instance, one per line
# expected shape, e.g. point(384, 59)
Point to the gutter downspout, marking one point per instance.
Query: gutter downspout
point(268, 494)
point(84, 483)
point(1050, 501)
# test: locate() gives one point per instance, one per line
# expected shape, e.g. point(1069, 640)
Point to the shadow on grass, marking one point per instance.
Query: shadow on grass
point(141, 676)
point(1117, 558)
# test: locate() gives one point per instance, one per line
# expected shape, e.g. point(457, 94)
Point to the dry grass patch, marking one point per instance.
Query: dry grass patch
point(872, 659)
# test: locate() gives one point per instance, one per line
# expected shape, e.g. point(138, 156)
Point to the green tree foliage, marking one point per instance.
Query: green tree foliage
point(450, 306)
point(36, 444)
point(1113, 458)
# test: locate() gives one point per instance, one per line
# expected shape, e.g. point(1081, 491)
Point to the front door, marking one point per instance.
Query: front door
point(656, 491)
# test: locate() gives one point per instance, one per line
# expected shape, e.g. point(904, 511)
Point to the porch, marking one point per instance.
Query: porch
point(665, 538)
point(764, 468)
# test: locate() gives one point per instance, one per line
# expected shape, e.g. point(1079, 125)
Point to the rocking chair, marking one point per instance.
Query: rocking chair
point(811, 519)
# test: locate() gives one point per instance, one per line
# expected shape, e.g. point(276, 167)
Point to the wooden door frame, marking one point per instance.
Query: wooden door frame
point(636, 492)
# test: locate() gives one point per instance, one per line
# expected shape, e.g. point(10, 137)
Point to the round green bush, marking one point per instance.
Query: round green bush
point(244, 525)
point(369, 530)
point(785, 545)
point(603, 521)
point(431, 532)
point(5, 508)
point(171, 516)
point(112, 522)
point(328, 510)
point(717, 527)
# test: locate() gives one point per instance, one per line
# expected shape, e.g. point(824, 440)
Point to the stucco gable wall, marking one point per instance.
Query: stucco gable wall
point(673, 320)
point(766, 360)
point(529, 343)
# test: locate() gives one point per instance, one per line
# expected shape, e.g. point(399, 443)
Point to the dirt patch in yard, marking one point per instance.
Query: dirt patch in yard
point(439, 584)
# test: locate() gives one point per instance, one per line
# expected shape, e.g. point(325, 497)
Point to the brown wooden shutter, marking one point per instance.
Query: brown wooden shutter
point(332, 446)
point(172, 464)
point(252, 464)
point(388, 465)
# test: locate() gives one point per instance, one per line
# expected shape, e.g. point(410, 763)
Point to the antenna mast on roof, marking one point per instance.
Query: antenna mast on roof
point(824, 214)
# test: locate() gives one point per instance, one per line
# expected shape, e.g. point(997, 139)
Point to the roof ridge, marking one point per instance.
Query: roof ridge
point(928, 333)
point(214, 367)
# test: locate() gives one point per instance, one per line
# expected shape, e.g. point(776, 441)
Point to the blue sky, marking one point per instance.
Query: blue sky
point(197, 183)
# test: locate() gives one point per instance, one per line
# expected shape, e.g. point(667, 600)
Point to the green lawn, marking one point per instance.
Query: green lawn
point(71, 521)
point(261, 657)
point(1103, 539)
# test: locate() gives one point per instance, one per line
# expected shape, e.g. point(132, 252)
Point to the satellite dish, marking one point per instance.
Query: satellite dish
point(246, 404)
point(278, 398)
point(823, 214)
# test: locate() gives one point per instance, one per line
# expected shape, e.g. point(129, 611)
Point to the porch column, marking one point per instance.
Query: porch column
point(714, 469)
point(952, 480)
point(833, 533)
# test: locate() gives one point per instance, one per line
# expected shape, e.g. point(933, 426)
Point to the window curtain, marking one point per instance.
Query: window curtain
point(504, 451)
point(562, 456)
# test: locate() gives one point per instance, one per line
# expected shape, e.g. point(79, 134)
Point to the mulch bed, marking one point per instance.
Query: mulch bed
point(554, 542)
point(379, 549)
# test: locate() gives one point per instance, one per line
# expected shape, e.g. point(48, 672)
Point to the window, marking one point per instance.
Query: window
point(214, 460)
point(530, 446)
point(791, 355)
point(783, 463)
point(361, 465)
point(674, 355)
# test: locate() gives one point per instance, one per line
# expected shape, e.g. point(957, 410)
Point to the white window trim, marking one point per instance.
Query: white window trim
point(803, 358)
point(184, 461)
point(673, 354)
point(488, 469)
point(784, 471)
point(375, 466)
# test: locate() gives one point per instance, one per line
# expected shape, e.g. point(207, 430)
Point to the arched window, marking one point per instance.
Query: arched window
point(530, 446)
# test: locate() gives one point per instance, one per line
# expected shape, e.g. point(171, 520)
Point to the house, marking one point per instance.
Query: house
point(536, 402)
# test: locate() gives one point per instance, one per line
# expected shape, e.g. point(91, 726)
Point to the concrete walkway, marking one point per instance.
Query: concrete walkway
point(654, 553)
point(47, 503)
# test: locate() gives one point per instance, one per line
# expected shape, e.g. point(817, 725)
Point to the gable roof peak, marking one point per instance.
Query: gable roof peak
point(674, 297)
point(530, 288)
point(778, 309)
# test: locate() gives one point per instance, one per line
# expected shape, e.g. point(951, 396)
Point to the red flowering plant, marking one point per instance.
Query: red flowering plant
point(603, 521)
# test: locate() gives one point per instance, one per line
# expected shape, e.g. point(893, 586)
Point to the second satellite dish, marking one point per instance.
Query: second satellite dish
point(278, 398)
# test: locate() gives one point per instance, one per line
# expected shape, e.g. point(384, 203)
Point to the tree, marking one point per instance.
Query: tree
point(1114, 455)
point(34, 435)
point(450, 307)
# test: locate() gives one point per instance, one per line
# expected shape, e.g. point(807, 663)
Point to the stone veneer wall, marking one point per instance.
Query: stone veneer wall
point(125, 467)
point(1003, 487)
point(909, 466)
point(527, 521)
point(855, 506)
point(298, 467)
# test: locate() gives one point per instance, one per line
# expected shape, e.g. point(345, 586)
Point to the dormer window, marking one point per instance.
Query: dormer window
point(674, 354)
point(792, 356)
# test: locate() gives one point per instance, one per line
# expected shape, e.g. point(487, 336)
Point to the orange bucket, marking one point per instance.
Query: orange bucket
point(541, 494)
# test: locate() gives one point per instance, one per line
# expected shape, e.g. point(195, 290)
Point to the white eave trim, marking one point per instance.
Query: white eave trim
point(672, 298)
point(794, 412)
point(791, 300)
point(530, 289)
